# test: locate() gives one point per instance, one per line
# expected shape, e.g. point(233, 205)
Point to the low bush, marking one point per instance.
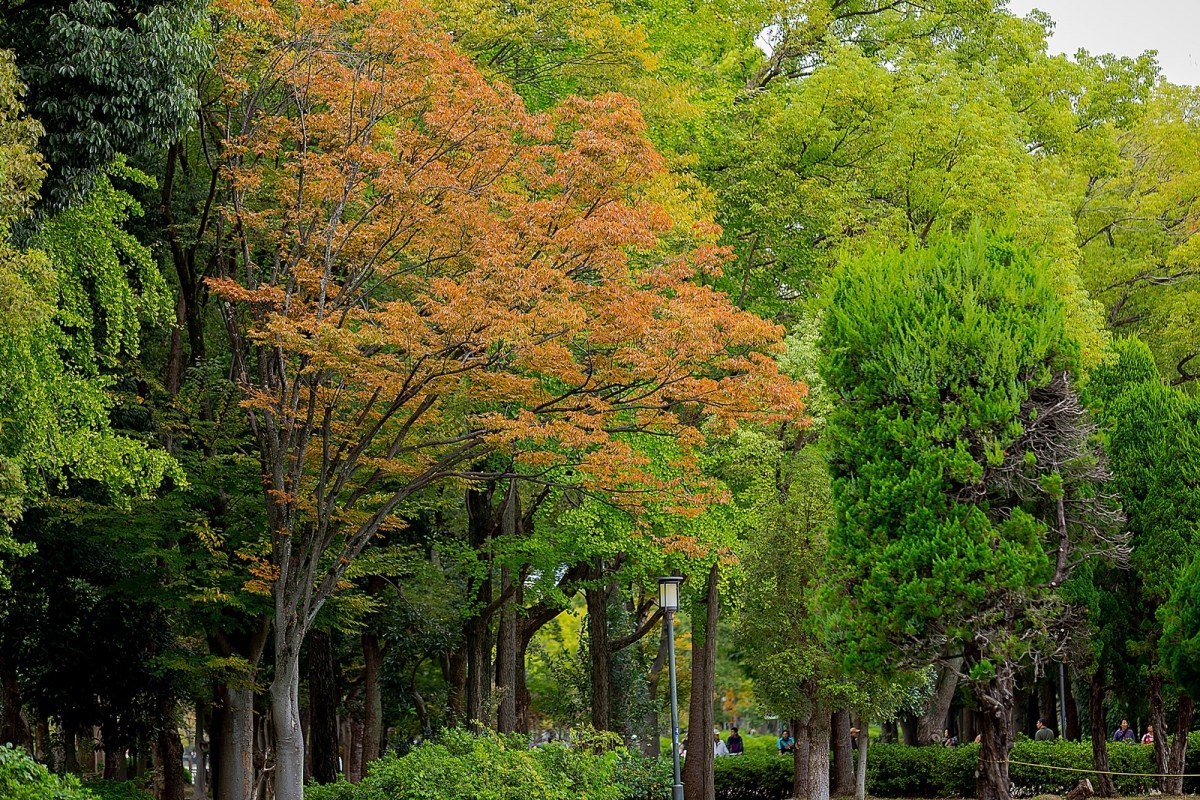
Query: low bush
point(118, 790)
point(22, 778)
point(464, 766)
point(753, 777)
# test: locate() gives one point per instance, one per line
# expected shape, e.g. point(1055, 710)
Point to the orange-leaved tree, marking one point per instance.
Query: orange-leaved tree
point(417, 272)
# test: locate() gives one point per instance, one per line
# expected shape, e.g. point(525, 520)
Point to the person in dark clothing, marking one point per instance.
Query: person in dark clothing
point(1124, 733)
point(734, 742)
point(1044, 731)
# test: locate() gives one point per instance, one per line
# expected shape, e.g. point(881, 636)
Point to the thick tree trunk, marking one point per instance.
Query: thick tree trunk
point(996, 725)
point(1177, 752)
point(799, 729)
point(818, 754)
point(170, 753)
point(507, 636)
point(285, 708)
point(1158, 720)
point(1073, 732)
point(843, 755)
point(937, 708)
point(233, 768)
point(908, 731)
point(322, 705)
point(1099, 732)
point(698, 769)
point(860, 767)
point(601, 661)
point(478, 653)
point(372, 701)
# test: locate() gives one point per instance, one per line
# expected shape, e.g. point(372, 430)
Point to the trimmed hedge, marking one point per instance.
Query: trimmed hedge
point(463, 766)
point(753, 777)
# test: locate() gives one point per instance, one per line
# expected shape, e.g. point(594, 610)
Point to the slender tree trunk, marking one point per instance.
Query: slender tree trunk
point(372, 701)
point(200, 782)
point(937, 708)
point(598, 649)
point(1099, 732)
point(1158, 720)
point(996, 725)
point(479, 660)
point(860, 767)
point(698, 769)
point(800, 775)
point(1177, 752)
point(818, 754)
point(843, 755)
point(651, 743)
point(322, 704)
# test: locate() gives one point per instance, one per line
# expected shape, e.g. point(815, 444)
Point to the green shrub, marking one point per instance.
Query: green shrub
point(753, 777)
point(464, 766)
point(118, 790)
point(22, 778)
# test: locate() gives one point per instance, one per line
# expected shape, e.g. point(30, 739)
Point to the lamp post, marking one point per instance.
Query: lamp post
point(668, 601)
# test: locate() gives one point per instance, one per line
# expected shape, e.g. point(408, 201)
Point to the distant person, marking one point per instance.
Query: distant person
point(785, 743)
point(719, 748)
point(854, 738)
point(1148, 738)
point(1044, 732)
point(734, 742)
point(948, 740)
point(1124, 733)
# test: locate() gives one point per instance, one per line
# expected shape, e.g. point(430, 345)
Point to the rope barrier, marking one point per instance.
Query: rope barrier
point(1102, 772)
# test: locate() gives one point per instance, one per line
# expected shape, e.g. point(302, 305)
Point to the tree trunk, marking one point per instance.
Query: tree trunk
point(843, 755)
point(937, 708)
point(601, 662)
point(1158, 720)
point(698, 769)
point(322, 705)
point(506, 657)
point(651, 743)
point(818, 754)
point(996, 725)
point(860, 770)
point(372, 701)
point(799, 729)
point(13, 726)
point(170, 752)
point(200, 782)
point(285, 705)
point(233, 770)
point(1073, 732)
point(1177, 753)
point(1099, 731)
point(908, 731)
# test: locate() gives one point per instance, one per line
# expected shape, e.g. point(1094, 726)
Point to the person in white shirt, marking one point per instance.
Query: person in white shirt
point(719, 748)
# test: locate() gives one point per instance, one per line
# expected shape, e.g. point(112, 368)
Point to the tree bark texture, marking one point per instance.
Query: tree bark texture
point(13, 726)
point(507, 647)
point(818, 754)
point(1073, 732)
point(372, 700)
point(996, 726)
point(322, 704)
point(860, 765)
point(698, 769)
point(799, 730)
point(170, 753)
point(1177, 750)
point(233, 772)
point(1099, 732)
point(600, 654)
point(937, 707)
point(843, 755)
point(285, 709)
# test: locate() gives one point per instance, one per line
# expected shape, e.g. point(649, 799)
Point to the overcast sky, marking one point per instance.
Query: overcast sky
point(1127, 28)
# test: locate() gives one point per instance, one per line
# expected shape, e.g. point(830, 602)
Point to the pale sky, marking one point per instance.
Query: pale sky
point(1127, 28)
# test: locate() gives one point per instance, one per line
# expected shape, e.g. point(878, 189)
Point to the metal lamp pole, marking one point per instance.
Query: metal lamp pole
point(668, 601)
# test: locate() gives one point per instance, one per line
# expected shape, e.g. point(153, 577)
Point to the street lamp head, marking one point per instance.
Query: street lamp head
point(668, 592)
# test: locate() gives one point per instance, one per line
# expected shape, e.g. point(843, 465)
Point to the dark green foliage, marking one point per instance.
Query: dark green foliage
point(934, 353)
point(104, 78)
point(754, 777)
point(495, 767)
point(22, 778)
point(119, 790)
point(1180, 645)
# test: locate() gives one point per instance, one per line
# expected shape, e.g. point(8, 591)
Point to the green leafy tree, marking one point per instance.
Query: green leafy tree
point(964, 479)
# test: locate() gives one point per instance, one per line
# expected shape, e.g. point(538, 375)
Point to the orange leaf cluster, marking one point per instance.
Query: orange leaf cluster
point(417, 270)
